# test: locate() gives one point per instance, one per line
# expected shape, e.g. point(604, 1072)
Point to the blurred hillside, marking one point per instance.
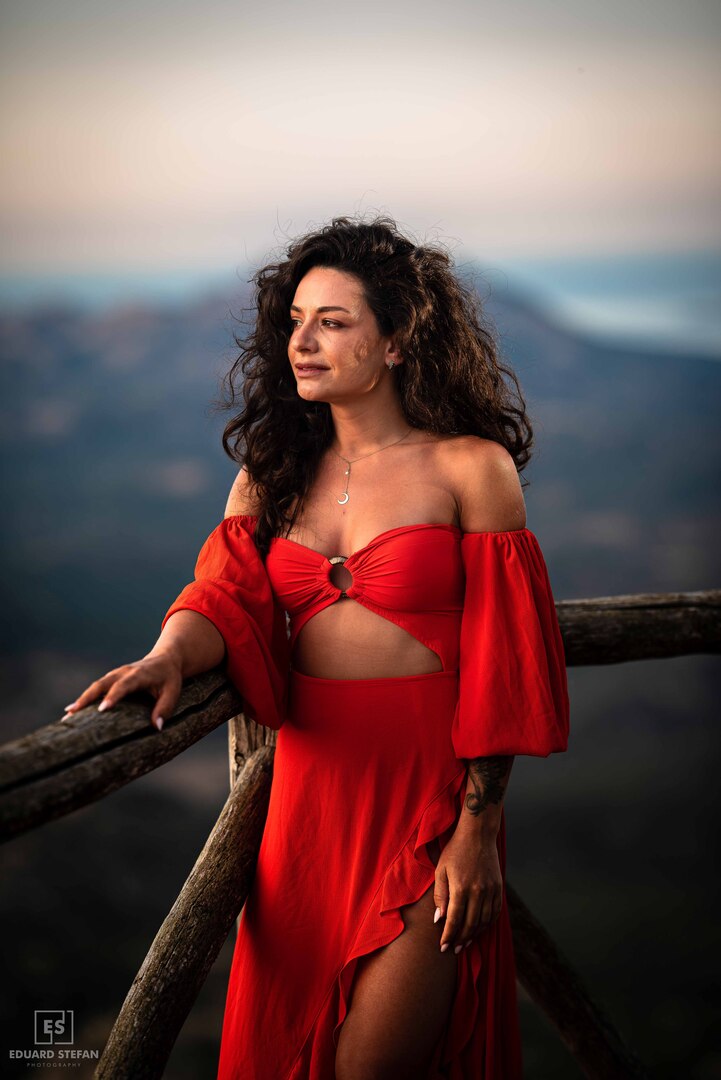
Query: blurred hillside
point(114, 476)
point(114, 471)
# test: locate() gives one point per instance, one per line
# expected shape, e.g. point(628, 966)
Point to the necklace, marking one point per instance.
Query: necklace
point(345, 496)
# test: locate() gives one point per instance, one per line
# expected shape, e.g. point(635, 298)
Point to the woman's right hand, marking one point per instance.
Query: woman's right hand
point(159, 673)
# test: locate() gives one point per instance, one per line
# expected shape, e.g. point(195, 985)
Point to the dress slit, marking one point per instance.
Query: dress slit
point(407, 879)
point(365, 779)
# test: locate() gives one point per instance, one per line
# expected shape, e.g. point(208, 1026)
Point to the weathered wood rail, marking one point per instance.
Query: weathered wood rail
point(64, 766)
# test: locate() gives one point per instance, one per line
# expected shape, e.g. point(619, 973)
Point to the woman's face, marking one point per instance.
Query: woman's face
point(336, 350)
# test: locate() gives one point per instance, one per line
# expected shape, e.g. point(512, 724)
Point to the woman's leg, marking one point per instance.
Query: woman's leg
point(400, 1002)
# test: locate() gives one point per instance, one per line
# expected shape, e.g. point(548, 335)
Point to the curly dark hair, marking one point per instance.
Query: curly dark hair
point(451, 381)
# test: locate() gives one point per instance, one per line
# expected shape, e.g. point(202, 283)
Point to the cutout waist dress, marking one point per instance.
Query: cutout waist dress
point(412, 575)
point(481, 600)
point(368, 775)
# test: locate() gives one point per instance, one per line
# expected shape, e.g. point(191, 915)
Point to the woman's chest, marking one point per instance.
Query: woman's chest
point(338, 522)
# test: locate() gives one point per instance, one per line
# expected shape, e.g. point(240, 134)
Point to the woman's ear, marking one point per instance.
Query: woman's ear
point(393, 354)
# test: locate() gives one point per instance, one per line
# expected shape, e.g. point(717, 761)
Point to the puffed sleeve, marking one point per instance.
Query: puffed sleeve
point(232, 589)
point(513, 692)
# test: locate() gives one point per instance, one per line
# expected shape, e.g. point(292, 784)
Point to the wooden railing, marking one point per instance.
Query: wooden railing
point(64, 766)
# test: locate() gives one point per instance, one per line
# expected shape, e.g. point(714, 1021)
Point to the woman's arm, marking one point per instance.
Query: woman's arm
point(188, 636)
point(192, 641)
point(469, 885)
point(490, 499)
point(189, 644)
point(191, 638)
point(486, 786)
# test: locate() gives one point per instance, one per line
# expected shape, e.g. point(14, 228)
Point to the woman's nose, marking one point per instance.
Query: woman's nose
point(304, 337)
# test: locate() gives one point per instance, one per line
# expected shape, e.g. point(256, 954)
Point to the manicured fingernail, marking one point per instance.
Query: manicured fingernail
point(457, 949)
point(437, 915)
point(159, 722)
point(444, 947)
point(105, 704)
point(72, 705)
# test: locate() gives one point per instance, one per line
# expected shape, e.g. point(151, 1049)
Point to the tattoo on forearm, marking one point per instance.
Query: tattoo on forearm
point(488, 776)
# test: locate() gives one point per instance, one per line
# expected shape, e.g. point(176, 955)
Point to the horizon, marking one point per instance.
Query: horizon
point(663, 300)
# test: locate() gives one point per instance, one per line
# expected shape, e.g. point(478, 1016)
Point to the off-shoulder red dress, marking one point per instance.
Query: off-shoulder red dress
point(369, 772)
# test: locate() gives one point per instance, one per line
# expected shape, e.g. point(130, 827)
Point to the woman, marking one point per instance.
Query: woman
point(379, 506)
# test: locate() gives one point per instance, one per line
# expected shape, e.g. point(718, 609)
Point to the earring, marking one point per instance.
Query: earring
point(391, 365)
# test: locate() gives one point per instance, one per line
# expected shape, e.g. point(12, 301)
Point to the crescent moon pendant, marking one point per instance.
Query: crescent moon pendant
point(344, 498)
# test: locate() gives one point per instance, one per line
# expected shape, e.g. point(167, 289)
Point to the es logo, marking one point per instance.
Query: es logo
point(53, 1027)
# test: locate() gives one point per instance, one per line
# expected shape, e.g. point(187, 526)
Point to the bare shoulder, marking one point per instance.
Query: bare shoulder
point(241, 499)
point(485, 484)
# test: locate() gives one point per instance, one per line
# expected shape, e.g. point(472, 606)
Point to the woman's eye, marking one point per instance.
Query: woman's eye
point(330, 322)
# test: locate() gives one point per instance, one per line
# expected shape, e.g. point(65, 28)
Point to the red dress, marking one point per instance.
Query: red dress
point(368, 772)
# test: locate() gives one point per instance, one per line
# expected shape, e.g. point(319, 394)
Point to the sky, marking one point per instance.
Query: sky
point(175, 135)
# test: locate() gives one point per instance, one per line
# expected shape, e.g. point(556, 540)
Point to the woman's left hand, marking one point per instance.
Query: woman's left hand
point(469, 887)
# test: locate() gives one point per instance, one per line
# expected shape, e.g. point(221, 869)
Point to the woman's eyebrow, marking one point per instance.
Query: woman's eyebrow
point(294, 307)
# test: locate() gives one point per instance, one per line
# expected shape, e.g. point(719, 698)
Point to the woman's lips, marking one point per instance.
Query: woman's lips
point(306, 372)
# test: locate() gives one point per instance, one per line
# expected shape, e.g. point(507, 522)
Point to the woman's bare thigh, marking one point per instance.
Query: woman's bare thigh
point(400, 1002)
